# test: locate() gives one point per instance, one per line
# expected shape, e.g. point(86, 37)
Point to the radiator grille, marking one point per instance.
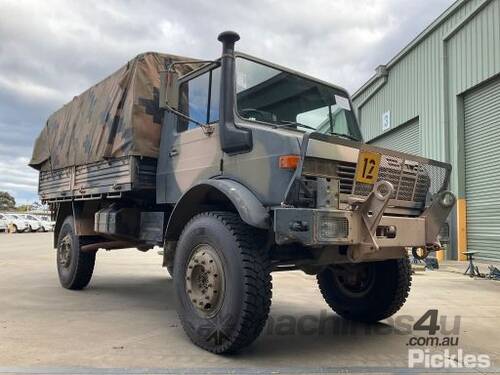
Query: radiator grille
point(411, 179)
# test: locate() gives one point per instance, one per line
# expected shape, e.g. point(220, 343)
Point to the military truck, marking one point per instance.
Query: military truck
point(238, 168)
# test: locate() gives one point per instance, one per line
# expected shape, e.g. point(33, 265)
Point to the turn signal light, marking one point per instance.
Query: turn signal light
point(289, 161)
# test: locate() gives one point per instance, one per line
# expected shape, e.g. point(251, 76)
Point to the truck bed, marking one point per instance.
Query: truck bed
point(104, 178)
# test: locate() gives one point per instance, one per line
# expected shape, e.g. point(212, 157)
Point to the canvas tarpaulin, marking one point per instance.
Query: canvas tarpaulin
point(117, 117)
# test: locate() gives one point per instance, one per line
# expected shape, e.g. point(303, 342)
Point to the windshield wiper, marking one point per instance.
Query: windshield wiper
point(283, 123)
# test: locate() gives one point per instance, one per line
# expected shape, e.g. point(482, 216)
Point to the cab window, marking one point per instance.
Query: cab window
point(199, 99)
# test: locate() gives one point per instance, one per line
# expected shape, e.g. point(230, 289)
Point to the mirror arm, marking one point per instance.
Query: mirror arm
point(207, 128)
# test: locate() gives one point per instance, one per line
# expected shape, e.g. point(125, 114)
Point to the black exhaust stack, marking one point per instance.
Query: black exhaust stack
point(233, 140)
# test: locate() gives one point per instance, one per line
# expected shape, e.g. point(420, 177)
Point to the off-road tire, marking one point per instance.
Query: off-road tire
point(388, 293)
point(246, 267)
point(79, 271)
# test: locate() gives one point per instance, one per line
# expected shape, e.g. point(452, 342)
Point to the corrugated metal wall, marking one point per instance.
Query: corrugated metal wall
point(473, 57)
point(482, 162)
point(429, 79)
point(405, 138)
point(416, 84)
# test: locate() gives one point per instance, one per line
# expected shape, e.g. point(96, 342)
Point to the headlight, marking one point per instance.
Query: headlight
point(333, 227)
point(447, 199)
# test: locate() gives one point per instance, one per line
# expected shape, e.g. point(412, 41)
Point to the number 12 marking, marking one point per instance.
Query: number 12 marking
point(367, 168)
point(371, 167)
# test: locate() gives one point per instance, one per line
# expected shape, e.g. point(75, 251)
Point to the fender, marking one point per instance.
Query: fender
point(210, 192)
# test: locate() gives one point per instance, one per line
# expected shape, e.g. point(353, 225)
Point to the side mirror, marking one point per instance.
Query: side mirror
point(169, 89)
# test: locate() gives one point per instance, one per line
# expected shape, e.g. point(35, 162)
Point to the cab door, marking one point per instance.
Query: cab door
point(190, 153)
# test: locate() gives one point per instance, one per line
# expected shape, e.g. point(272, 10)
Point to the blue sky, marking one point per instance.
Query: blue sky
point(51, 50)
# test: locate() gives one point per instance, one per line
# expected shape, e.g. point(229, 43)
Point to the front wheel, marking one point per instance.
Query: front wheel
point(222, 280)
point(74, 266)
point(366, 292)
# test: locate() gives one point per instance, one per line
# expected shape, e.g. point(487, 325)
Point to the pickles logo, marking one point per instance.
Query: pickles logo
point(438, 336)
point(447, 359)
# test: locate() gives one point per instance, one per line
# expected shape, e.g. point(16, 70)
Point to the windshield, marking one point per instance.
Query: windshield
point(274, 96)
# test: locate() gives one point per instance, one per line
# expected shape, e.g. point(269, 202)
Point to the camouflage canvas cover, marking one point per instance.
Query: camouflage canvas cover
point(117, 117)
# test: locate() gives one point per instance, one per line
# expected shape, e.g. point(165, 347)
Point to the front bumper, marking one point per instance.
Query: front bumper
point(306, 226)
point(365, 228)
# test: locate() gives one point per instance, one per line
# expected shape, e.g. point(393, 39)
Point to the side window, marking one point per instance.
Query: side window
point(193, 101)
point(199, 99)
point(214, 95)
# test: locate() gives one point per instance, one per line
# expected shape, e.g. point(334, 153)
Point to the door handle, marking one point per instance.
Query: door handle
point(173, 153)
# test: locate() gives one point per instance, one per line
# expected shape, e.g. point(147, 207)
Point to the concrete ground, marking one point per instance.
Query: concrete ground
point(125, 322)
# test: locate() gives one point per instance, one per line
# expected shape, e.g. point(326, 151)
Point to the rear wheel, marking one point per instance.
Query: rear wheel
point(74, 266)
point(366, 292)
point(223, 282)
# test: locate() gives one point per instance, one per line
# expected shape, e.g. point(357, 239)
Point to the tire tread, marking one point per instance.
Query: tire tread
point(257, 280)
point(85, 261)
point(376, 311)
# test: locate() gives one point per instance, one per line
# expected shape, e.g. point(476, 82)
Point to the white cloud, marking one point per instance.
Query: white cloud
point(30, 90)
point(17, 179)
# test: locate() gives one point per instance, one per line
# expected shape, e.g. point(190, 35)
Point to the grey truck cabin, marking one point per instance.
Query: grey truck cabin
point(237, 167)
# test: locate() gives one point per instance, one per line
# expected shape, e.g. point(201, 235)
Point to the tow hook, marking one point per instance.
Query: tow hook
point(371, 211)
point(421, 253)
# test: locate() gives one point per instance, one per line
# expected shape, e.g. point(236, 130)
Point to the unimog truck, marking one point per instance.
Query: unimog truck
point(238, 168)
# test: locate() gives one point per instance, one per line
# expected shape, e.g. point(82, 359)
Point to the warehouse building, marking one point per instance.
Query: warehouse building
point(440, 98)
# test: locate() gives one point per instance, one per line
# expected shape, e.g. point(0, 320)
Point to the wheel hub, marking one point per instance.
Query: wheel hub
point(65, 252)
point(355, 280)
point(205, 280)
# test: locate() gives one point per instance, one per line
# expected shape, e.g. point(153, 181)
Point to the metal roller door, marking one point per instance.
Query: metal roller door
point(482, 170)
point(404, 138)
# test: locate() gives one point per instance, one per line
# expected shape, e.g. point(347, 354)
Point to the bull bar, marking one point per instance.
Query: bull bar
point(365, 229)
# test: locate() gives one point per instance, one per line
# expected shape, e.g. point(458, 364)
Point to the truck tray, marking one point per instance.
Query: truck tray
point(109, 177)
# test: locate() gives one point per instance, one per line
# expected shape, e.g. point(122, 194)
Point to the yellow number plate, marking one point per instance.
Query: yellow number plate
point(367, 168)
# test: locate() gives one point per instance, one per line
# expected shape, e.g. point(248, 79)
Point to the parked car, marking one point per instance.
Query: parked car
point(16, 223)
point(33, 223)
point(3, 223)
point(45, 223)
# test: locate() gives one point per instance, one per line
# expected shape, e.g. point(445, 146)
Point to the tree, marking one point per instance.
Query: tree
point(7, 201)
point(23, 208)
